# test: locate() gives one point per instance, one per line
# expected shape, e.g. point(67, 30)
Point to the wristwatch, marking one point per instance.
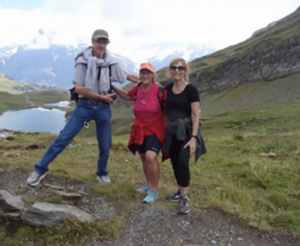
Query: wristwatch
point(195, 136)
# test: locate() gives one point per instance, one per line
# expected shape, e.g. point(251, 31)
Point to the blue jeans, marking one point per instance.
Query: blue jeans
point(85, 111)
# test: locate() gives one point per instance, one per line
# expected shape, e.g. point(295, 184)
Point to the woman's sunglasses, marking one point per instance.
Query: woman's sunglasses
point(180, 68)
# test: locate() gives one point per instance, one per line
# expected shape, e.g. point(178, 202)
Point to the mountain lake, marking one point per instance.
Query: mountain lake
point(35, 119)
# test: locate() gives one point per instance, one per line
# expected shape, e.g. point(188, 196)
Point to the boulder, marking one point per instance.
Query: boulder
point(48, 215)
point(10, 203)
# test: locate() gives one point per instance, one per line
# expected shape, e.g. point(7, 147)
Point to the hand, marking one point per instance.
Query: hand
point(138, 82)
point(108, 98)
point(192, 145)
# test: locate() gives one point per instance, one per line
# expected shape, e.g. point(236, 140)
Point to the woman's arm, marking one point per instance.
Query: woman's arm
point(121, 93)
point(195, 116)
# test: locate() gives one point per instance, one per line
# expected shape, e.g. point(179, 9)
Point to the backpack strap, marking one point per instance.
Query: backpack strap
point(99, 74)
point(161, 97)
point(136, 89)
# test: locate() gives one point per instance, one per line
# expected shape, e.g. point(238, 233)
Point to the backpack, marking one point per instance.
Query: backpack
point(74, 95)
point(160, 96)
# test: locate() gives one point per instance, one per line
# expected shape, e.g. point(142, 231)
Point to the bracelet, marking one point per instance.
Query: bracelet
point(194, 136)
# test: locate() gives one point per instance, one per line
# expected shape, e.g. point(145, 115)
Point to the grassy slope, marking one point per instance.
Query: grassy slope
point(233, 175)
point(285, 28)
point(7, 85)
point(38, 98)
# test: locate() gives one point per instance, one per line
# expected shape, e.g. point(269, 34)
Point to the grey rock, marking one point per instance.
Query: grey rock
point(47, 215)
point(69, 195)
point(54, 187)
point(12, 216)
point(9, 202)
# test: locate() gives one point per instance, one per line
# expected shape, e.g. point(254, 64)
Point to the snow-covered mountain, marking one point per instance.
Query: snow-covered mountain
point(163, 53)
point(44, 61)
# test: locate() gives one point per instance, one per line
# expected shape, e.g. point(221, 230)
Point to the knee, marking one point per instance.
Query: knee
point(151, 157)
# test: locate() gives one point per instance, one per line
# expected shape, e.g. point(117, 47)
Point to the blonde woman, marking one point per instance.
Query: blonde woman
point(183, 136)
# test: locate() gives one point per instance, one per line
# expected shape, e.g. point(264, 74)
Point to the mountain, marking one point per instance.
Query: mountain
point(164, 52)
point(261, 71)
point(11, 86)
point(270, 54)
point(44, 63)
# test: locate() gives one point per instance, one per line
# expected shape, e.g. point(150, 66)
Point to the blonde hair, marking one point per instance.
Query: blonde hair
point(184, 63)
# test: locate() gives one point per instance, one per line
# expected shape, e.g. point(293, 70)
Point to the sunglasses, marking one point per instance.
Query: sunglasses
point(180, 68)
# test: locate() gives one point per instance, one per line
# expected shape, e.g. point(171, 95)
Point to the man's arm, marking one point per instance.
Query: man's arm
point(79, 89)
point(120, 75)
point(133, 78)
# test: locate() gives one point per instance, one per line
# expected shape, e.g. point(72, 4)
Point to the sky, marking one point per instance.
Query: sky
point(135, 23)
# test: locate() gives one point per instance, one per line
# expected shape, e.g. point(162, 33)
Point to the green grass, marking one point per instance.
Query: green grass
point(71, 233)
point(11, 86)
point(54, 199)
point(233, 175)
point(38, 98)
point(14, 87)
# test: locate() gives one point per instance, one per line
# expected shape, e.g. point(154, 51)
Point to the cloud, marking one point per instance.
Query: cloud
point(133, 23)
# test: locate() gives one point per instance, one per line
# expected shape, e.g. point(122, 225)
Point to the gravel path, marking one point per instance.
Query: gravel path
point(147, 225)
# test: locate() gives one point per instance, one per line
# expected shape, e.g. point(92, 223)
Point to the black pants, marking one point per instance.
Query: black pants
point(180, 158)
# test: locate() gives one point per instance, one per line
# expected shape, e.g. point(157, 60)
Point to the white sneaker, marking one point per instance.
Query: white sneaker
point(104, 179)
point(35, 178)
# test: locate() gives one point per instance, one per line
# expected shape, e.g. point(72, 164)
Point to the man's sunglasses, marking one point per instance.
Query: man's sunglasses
point(180, 68)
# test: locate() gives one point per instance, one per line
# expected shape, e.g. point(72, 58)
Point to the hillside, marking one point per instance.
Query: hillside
point(9, 85)
point(10, 101)
point(268, 55)
point(248, 180)
point(271, 54)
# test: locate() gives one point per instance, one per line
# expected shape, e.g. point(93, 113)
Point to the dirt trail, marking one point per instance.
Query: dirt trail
point(27, 100)
point(153, 224)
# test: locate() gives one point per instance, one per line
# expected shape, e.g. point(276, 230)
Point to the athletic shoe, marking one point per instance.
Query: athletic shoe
point(151, 197)
point(183, 206)
point(104, 179)
point(145, 188)
point(35, 178)
point(174, 197)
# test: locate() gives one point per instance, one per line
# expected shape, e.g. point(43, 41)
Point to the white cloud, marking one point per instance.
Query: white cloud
point(134, 23)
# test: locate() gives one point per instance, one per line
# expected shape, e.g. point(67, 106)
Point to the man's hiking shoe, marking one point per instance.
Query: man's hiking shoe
point(183, 206)
point(35, 178)
point(145, 188)
point(104, 179)
point(151, 197)
point(174, 197)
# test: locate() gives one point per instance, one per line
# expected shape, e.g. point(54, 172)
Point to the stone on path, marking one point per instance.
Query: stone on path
point(13, 216)
point(47, 214)
point(10, 203)
point(69, 195)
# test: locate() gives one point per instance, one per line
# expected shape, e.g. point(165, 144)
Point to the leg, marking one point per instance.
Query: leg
point(183, 178)
point(144, 162)
point(152, 169)
point(141, 149)
point(153, 146)
point(71, 129)
point(104, 137)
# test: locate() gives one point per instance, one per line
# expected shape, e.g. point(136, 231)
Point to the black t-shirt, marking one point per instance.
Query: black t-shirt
point(179, 105)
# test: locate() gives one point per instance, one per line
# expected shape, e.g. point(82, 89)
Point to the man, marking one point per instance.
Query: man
point(92, 84)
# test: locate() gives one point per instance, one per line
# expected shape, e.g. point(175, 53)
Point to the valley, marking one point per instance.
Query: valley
point(244, 191)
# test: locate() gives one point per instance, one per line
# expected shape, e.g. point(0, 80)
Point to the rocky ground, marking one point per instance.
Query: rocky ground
point(143, 224)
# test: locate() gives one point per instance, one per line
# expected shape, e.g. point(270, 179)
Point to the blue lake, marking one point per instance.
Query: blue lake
point(34, 120)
